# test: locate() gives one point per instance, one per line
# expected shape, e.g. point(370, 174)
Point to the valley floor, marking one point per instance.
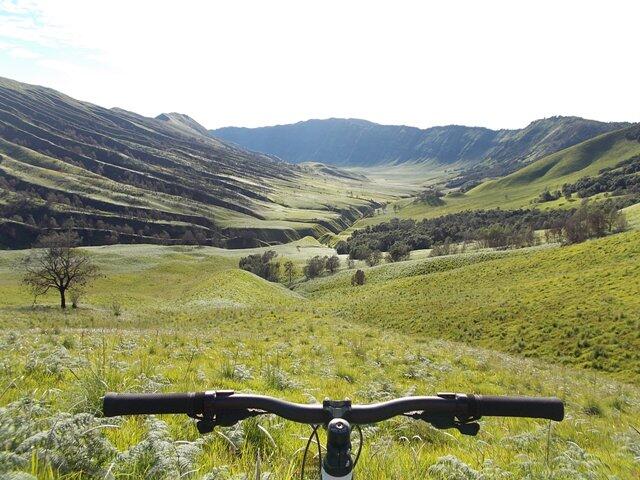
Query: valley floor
point(185, 318)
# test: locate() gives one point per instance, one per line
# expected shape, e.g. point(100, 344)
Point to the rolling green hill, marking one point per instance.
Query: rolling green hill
point(361, 143)
point(189, 320)
point(120, 177)
point(572, 163)
point(575, 305)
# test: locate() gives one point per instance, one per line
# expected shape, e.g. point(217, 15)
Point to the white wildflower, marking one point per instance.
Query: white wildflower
point(72, 443)
point(158, 456)
point(452, 468)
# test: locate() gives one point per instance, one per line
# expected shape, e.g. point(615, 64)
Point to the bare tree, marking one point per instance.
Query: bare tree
point(58, 265)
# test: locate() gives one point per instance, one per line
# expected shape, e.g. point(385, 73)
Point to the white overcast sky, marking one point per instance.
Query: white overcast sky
point(499, 64)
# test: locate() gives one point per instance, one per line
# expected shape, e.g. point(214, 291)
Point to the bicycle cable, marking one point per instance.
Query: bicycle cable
point(355, 462)
point(314, 433)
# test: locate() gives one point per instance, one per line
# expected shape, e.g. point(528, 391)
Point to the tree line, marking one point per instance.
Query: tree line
point(398, 235)
point(267, 266)
point(96, 227)
point(622, 179)
point(494, 228)
point(591, 220)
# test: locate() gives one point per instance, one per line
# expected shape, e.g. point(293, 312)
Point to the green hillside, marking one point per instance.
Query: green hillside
point(169, 280)
point(189, 320)
point(545, 320)
point(574, 305)
point(119, 177)
point(522, 187)
point(551, 172)
point(633, 215)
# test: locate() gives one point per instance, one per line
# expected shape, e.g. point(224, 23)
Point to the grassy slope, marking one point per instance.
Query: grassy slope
point(633, 216)
point(294, 204)
point(521, 187)
point(138, 275)
point(189, 318)
point(576, 305)
point(57, 144)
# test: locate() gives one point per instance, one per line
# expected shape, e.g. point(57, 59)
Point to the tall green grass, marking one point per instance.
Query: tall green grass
point(191, 321)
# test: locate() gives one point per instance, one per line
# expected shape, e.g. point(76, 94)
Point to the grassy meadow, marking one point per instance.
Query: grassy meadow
point(577, 305)
point(185, 318)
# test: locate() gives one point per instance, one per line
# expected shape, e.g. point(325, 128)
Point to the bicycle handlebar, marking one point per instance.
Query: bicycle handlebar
point(550, 408)
point(206, 403)
point(115, 404)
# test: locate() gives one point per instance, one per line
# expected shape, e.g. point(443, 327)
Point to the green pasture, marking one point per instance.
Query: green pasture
point(185, 318)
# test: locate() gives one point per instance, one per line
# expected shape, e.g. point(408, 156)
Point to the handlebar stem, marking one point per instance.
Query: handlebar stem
point(338, 463)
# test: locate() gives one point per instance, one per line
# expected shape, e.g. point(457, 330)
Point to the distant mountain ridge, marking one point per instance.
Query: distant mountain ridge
point(355, 142)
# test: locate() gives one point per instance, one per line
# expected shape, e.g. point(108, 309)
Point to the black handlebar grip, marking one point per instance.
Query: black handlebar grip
point(531, 407)
point(115, 404)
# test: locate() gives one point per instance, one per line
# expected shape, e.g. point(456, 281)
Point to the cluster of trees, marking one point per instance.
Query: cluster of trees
point(548, 196)
point(431, 197)
point(447, 248)
point(266, 266)
point(398, 252)
point(99, 232)
point(501, 236)
point(489, 228)
point(263, 265)
point(623, 179)
point(399, 237)
point(493, 236)
point(591, 221)
point(317, 265)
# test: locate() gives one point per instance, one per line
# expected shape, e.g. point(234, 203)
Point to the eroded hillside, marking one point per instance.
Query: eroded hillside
point(120, 177)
